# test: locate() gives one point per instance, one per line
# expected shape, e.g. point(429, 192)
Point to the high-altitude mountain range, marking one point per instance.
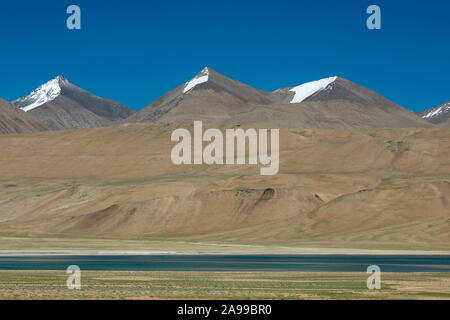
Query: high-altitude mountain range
point(61, 105)
point(332, 102)
point(328, 103)
point(374, 188)
point(14, 120)
point(439, 115)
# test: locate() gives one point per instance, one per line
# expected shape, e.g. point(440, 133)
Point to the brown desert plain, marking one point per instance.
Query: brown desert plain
point(336, 188)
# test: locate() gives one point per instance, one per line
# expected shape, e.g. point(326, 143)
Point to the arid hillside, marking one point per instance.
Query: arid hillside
point(61, 105)
point(377, 188)
point(14, 120)
point(332, 102)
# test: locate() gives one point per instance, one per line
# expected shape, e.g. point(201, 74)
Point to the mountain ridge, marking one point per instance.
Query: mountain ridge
point(330, 102)
point(439, 115)
point(14, 120)
point(62, 105)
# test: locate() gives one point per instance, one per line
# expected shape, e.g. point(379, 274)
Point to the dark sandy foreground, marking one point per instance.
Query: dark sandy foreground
point(221, 285)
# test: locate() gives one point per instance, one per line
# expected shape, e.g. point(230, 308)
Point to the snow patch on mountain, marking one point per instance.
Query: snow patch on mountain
point(437, 111)
point(202, 77)
point(304, 91)
point(45, 93)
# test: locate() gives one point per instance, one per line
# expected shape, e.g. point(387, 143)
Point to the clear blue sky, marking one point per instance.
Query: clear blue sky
point(134, 51)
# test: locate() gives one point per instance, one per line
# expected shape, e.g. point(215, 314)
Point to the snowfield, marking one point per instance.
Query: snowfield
point(304, 91)
point(439, 110)
point(45, 93)
point(201, 78)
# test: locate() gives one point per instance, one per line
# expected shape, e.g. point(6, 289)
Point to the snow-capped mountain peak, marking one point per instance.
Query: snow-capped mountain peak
point(43, 94)
point(202, 77)
point(434, 112)
point(304, 91)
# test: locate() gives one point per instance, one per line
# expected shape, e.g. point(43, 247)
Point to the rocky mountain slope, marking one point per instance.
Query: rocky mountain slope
point(61, 105)
point(439, 115)
point(14, 120)
point(327, 103)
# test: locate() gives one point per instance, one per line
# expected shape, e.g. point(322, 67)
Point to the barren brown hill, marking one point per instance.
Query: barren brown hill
point(209, 96)
point(337, 188)
point(14, 120)
point(61, 105)
point(327, 103)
